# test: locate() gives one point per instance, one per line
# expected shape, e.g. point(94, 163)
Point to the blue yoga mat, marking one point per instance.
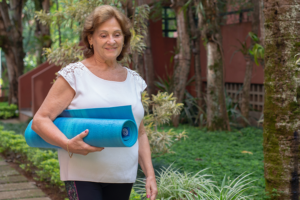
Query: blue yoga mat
point(108, 127)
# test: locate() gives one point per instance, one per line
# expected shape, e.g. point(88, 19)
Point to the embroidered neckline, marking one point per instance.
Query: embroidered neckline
point(84, 67)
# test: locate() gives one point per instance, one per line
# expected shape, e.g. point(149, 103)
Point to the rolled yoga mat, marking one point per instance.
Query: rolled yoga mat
point(108, 127)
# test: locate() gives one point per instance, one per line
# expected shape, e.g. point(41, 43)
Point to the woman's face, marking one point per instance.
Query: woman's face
point(108, 40)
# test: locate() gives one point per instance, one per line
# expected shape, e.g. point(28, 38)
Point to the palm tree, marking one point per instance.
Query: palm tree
point(282, 97)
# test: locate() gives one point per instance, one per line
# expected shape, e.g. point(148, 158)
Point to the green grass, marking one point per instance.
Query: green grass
point(221, 152)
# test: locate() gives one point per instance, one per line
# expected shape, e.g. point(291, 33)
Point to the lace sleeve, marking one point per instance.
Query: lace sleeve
point(141, 84)
point(68, 73)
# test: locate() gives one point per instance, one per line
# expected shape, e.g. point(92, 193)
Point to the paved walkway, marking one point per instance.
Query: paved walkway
point(15, 186)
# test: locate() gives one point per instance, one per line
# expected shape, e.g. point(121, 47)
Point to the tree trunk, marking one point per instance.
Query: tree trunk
point(262, 22)
point(282, 97)
point(246, 89)
point(217, 117)
point(12, 43)
point(245, 104)
point(182, 63)
point(195, 42)
point(148, 61)
point(42, 32)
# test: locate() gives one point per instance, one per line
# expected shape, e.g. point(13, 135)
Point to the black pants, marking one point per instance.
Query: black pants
point(81, 190)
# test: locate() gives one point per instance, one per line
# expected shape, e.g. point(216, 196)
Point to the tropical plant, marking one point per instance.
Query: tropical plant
point(75, 12)
point(173, 185)
point(229, 190)
point(163, 106)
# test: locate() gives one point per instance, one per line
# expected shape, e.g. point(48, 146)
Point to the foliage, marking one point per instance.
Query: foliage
point(256, 51)
point(163, 106)
point(233, 190)
point(190, 108)
point(172, 185)
point(8, 111)
point(220, 151)
point(45, 161)
point(75, 12)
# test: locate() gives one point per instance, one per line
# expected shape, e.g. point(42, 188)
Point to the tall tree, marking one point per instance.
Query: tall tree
point(42, 31)
point(217, 117)
point(282, 97)
point(195, 42)
point(183, 58)
point(12, 43)
point(249, 63)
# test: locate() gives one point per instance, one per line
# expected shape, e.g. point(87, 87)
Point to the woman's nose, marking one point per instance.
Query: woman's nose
point(111, 40)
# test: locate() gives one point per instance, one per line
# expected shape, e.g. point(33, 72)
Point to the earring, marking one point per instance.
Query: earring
point(91, 46)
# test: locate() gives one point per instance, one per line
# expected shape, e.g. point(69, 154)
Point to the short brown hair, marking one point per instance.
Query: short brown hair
point(98, 17)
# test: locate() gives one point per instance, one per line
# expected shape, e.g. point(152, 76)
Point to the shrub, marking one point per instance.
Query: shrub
point(8, 111)
point(45, 161)
point(163, 107)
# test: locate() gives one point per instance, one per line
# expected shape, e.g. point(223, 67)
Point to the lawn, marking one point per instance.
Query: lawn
point(223, 153)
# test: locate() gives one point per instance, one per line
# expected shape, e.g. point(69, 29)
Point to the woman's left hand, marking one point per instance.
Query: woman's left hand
point(151, 188)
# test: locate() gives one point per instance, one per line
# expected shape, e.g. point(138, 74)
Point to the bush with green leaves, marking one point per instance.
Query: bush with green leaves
point(8, 111)
point(163, 107)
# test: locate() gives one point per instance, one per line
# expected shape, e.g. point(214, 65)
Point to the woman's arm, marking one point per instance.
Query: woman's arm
point(58, 98)
point(146, 163)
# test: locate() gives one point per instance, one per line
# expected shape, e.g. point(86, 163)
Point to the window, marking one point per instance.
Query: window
point(169, 23)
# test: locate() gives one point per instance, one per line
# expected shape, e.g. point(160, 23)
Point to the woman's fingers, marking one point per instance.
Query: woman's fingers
point(153, 191)
point(151, 188)
point(77, 145)
point(148, 191)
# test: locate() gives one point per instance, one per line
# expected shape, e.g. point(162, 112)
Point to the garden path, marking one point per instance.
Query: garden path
point(15, 186)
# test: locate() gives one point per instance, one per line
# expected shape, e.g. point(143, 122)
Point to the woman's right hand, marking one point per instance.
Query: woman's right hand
point(78, 146)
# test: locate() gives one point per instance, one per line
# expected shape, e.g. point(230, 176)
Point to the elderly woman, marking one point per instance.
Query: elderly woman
point(98, 81)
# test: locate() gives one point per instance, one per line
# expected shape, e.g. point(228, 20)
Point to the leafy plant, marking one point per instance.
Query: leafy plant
point(8, 111)
point(229, 190)
point(173, 185)
point(46, 161)
point(256, 51)
point(163, 106)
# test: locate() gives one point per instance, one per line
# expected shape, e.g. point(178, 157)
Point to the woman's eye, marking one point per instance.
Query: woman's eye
point(117, 35)
point(103, 36)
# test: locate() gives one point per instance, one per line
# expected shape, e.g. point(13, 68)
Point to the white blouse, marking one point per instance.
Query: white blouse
point(111, 165)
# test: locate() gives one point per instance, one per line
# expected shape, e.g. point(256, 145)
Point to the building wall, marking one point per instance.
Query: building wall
point(234, 63)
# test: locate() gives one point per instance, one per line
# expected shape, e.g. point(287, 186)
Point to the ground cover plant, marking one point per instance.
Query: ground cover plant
point(223, 153)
